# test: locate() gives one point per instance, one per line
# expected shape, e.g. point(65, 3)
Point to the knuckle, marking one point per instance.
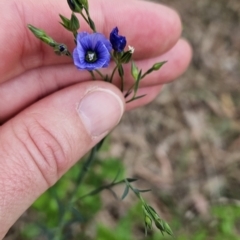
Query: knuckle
point(46, 151)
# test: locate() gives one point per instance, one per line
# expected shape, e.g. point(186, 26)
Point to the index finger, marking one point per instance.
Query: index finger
point(151, 28)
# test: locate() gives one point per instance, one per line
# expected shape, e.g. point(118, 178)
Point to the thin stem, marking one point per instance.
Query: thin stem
point(101, 75)
point(144, 75)
point(92, 74)
point(75, 36)
point(132, 99)
point(91, 158)
point(136, 193)
point(90, 21)
point(122, 84)
point(114, 70)
point(96, 191)
point(84, 18)
point(79, 181)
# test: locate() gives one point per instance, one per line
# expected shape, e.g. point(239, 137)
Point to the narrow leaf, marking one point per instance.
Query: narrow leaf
point(131, 180)
point(139, 75)
point(145, 190)
point(139, 96)
point(136, 86)
point(125, 193)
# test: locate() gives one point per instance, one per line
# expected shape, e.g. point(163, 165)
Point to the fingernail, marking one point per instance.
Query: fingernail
point(100, 110)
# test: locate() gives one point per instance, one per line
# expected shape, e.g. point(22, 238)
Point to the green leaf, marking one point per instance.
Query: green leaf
point(136, 86)
point(139, 75)
point(144, 190)
point(125, 193)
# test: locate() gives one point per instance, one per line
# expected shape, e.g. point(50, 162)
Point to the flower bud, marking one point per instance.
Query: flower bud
point(75, 6)
point(118, 42)
point(126, 57)
point(40, 34)
point(167, 228)
point(148, 222)
point(134, 71)
point(157, 66)
point(159, 224)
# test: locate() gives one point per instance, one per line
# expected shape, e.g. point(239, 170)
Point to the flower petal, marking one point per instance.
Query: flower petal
point(95, 42)
point(118, 42)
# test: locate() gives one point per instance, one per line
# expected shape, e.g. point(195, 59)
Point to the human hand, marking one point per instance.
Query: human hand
point(51, 114)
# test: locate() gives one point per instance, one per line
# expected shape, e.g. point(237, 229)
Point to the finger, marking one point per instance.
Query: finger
point(23, 91)
point(153, 30)
point(40, 144)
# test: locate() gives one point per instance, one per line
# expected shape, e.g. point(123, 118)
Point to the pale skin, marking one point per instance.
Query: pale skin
point(44, 105)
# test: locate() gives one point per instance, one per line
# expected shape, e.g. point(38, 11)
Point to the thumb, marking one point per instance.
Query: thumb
point(41, 143)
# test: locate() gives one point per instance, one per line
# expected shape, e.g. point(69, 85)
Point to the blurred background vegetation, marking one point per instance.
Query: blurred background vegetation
point(185, 146)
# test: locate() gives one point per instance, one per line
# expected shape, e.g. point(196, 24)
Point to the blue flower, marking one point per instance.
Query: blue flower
point(92, 51)
point(118, 42)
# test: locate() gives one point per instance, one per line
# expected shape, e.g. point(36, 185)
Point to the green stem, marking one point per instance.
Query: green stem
point(114, 70)
point(144, 75)
point(122, 84)
point(132, 99)
point(79, 181)
point(84, 18)
point(92, 74)
point(91, 158)
point(90, 20)
point(136, 193)
point(96, 191)
point(101, 75)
